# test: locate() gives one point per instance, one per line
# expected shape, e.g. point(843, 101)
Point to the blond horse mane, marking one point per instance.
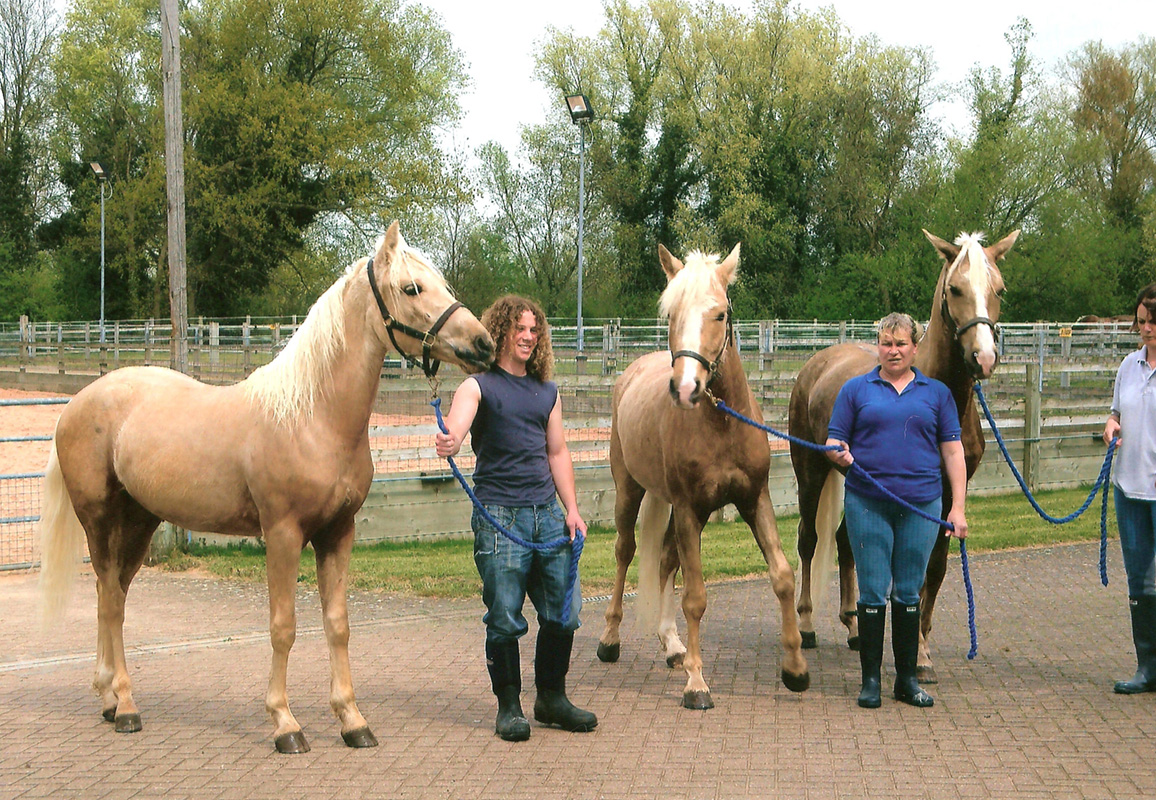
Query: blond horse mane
point(696, 281)
point(289, 386)
point(971, 246)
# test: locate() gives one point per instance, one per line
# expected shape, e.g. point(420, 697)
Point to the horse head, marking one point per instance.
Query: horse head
point(422, 317)
point(968, 295)
point(695, 301)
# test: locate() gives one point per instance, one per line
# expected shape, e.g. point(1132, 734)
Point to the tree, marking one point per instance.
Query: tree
point(306, 111)
point(27, 28)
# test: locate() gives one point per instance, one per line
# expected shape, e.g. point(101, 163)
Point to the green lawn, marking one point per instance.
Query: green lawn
point(446, 568)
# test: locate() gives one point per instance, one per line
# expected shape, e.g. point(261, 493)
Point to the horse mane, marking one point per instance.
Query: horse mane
point(287, 387)
point(971, 245)
point(695, 280)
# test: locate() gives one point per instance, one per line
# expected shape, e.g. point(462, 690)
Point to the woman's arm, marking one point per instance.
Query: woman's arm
point(464, 408)
point(562, 469)
point(955, 466)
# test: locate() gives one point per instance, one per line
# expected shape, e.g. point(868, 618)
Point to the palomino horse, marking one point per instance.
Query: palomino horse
point(687, 459)
point(284, 454)
point(958, 348)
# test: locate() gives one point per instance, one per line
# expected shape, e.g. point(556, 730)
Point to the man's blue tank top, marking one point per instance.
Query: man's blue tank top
point(509, 439)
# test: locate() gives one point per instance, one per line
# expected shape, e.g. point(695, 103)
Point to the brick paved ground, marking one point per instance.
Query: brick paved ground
point(1033, 716)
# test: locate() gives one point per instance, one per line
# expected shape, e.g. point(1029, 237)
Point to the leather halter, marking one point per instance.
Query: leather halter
point(711, 366)
point(428, 365)
point(971, 323)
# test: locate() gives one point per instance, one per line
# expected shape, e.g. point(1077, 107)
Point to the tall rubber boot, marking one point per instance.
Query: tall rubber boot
point(551, 663)
point(905, 645)
point(504, 664)
point(1143, 610)
point(872, 622)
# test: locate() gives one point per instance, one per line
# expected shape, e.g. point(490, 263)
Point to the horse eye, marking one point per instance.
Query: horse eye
point(720, 317)
point(413, 290)
point(956, 291)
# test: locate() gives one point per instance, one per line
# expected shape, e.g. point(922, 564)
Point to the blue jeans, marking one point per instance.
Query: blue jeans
point(891, 546)
point(1136, 520)
point(510, 571)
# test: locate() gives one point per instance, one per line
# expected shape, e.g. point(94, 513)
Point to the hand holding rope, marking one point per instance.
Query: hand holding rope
point(576, 544)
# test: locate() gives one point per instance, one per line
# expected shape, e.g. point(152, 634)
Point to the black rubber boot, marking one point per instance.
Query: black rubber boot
point(872, 621)
point(551, 663)
point(905, 645)
point(504, 664)
point(1143, 610)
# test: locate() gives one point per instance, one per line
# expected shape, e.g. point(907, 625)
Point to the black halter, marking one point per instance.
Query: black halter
point(711, 366)
point(427, 338)
point(971, 323)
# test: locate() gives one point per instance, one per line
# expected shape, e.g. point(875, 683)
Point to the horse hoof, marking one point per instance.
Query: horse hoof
point(797, 683)
point(698, 701)
point(608, 653)
point(127, 723)
point(810, 640)
point(358, 737)
point(853, 643)
point(292, 743)
point(926, 675)
point(109, 714)
point(675, 661)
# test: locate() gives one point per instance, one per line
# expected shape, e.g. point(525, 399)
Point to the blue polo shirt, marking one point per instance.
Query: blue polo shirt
point(895, 437)
point(1134, 402)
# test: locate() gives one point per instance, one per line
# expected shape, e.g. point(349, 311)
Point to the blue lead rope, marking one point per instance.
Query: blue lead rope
point(1101, 483)
point(892, 496)
point(576, 544)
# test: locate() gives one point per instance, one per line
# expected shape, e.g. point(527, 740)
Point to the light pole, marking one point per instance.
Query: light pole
point(102, 179)
point(581, 114)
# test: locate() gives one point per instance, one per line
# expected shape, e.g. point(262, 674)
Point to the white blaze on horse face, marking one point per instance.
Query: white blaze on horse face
point(982, 337)
point(690, 338)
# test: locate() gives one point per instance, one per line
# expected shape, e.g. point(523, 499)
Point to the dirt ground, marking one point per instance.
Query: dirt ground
point(19, 457)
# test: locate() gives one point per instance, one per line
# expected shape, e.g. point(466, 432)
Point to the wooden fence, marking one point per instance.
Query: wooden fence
point(1050, 410)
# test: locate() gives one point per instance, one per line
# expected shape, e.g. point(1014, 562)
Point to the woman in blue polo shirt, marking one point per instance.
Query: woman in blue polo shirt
point(1133, 420)
point(899, 424)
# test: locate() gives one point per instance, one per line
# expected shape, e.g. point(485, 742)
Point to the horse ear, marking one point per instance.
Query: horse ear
point(389, 244)
point(1000, 248)
point(728, 269)
point(948, 250)
point(670, 264)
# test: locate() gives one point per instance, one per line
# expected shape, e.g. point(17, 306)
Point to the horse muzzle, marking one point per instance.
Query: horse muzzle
point(685, 393)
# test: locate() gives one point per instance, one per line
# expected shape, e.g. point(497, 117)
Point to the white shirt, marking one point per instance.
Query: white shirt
point(1134, 402)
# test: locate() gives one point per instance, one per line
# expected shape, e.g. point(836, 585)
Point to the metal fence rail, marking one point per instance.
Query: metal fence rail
point(411, 498)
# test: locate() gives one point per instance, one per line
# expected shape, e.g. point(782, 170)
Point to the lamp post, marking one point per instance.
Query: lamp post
point(581, 114)
point(102, 179)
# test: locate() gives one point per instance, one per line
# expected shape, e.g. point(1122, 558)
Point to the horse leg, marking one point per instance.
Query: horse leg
point(807, 540)
point(672, 647)
point(936, 570)
point(332, 555)
point(283, 547)
point(848, 587)
point(627, 499)
point(763, 525)
point(687, 527)
point(118, 536)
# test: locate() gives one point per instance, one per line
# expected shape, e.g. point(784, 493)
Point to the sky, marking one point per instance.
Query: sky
point(499, 47)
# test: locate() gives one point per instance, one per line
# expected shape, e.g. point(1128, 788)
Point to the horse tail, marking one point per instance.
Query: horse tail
point(61, 540)
point(827, 518)
point(653, 520)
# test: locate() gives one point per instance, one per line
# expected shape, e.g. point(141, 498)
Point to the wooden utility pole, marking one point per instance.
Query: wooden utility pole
point(175, 181)
point(169, 536)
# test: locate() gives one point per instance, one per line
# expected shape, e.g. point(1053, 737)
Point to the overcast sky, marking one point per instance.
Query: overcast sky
point(499, 45)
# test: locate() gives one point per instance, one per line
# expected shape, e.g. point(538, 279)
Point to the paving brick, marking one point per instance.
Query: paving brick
point(1033, 716)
